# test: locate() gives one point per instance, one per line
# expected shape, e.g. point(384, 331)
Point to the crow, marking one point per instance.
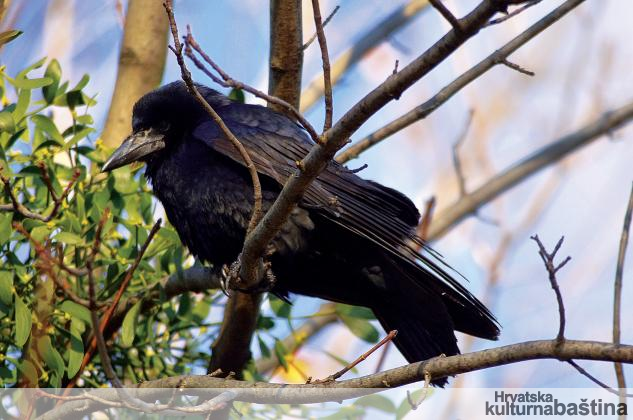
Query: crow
point(348, 240)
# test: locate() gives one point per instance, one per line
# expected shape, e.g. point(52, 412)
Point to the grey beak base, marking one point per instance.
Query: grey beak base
point(134, 148)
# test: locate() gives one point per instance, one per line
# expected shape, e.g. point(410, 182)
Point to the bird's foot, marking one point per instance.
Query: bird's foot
point(266, 284)
point(231, 279)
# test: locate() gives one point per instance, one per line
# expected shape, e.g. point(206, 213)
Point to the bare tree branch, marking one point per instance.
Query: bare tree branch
point(325, 22)
point(598, 382)
point(520, 171)
point(227, 81)
point(422, 111)
point(617, 298)
point(373, 37)
point(552, 269)
point(286, 52)
point(325, 58)
point(141, 64)
point(439, 367)
point(439, 6)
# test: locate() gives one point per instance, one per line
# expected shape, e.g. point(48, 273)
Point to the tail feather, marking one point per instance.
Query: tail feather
point(426, 317)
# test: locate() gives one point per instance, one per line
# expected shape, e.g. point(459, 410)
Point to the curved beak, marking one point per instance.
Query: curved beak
point(134, 148)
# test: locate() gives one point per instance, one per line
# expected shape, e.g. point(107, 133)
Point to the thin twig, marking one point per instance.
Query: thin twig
point(598, 381)
point(186, 77)
point(439, 6)
point(552, 269)
point(325, 58)
point(325, 22)
point(457, 163)
point(516, 67)
point(226, 80)
point(392, 334)
point(617, 298)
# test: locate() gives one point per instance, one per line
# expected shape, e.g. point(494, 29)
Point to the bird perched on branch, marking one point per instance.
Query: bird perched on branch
point(348, 240)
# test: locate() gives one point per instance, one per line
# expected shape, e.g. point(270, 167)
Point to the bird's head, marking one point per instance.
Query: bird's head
point(159, 120)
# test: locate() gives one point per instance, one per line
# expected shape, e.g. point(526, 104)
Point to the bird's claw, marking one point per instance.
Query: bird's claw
point(225, 280)
point(231, 279)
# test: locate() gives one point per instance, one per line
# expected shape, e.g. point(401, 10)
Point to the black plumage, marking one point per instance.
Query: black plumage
point(349, 240)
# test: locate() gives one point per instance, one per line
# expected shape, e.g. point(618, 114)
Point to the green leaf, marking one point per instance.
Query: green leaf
point(361, 328)
point(40, 233)
point(279, 307)
point(76, 350)
point(51, 356)
point(23, 82)
point(378, 402)
point(8, 36)
point(48, 126)
point(129, 325)
point(28, 371)
point(6, 287)
point(69, 238)
point(354, 311)
point(7, 123)
point(54, 72)
point(80, 135)
point(281, 352)
point(237, 95)
point(5, 227)
point(82, 83)
point(79, 312)
point(263, 348)
point(24, 99)
point(22, 321)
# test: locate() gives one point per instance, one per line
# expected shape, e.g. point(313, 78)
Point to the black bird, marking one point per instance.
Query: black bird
point(349, 240)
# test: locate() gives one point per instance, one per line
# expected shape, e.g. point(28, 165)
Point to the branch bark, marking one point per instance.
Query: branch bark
point(286, 52)
point(141, 65)
point(523, 169)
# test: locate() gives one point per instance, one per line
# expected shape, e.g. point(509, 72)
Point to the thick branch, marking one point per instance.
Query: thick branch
point(372, 38)
point(286, 52)
point(520, 171)
point(422, 111)
point(141, 64)
point(439, 367)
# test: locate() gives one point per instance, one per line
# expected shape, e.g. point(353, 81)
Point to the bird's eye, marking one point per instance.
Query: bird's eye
point(163, 126)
